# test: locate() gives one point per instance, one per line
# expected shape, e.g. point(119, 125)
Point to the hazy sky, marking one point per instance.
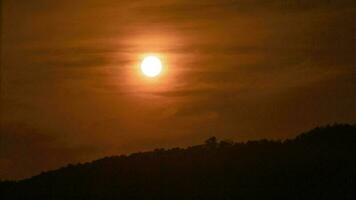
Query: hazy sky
point(245, 69)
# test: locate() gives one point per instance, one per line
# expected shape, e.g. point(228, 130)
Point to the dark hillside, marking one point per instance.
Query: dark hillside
point(319, 164)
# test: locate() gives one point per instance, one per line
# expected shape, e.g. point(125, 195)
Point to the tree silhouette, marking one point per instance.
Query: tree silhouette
point(211, 142)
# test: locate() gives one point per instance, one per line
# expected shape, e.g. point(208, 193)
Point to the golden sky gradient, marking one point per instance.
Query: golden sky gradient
point(244, 69)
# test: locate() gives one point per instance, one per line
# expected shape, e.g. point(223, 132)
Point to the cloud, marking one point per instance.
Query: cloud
point(241, 69)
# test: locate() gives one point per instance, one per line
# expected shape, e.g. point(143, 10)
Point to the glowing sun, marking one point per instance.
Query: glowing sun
point(151, 66)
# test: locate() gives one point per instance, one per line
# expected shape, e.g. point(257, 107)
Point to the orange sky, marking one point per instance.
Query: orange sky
point(72, 91)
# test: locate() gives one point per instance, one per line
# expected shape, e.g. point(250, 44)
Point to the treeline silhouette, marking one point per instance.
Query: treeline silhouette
point(319, 164)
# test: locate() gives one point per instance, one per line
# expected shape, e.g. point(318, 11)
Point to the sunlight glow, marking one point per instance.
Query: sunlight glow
point(151, 66)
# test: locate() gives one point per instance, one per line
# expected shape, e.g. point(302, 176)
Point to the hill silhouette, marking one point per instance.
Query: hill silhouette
point(319, 164)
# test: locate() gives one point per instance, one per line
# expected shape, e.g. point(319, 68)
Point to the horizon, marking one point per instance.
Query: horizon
point(211, 142)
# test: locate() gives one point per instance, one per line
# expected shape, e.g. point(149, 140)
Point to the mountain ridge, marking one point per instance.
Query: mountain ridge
point(318, 164)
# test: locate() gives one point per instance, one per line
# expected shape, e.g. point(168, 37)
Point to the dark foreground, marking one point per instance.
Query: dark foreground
point(320, 164)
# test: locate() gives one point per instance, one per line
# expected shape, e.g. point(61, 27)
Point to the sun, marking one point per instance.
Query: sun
point(151, 66)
